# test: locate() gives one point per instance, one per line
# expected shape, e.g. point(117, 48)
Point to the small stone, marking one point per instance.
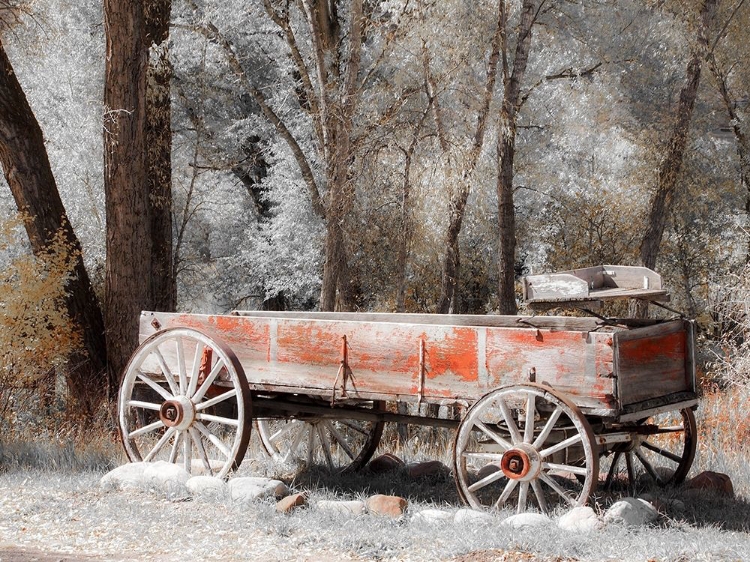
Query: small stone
point(526, 520)
point(427, 469)
point(353, 507)
point(126, 477)
point(390, 506)
point(631, 512)
point(207, 487)
point(712, 481)
point(432, 516)
point(465, 515)
point(290, 503)
point(385, 463)
point(580, 519)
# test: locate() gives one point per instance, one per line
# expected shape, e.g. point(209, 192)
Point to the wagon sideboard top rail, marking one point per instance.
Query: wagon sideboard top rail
point(605, 368)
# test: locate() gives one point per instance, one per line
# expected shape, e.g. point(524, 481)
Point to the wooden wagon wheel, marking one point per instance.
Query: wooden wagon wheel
point(661, 452)
point(337, 444)
point(522, 442)
point(184, 398)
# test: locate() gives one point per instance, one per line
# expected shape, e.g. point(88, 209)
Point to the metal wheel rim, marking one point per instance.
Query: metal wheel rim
point(541, 483)
point(217, 443)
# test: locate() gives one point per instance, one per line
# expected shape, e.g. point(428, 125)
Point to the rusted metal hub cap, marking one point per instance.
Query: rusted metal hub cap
point(522, 462)
point(178, 413)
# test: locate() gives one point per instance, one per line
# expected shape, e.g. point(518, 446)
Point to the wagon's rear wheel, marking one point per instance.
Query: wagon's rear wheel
point(336, 444)
point(184, 398)
point(661, 452)
point(525, 446)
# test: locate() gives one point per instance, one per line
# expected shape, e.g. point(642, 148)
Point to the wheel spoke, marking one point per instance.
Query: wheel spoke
point(196, 437)
point(528, 430)
point(195, 371)
point(564, 444)
point(218, 419)
point(554, 416)
point(612, 469)
point(482, 456)
point(510, 422)
point(556, 487)
point(296, 442)
point(198, 396)
point(492, 435)
point(355, 427)
point(539, 493)
point(158, 424)
point(507, 491)
point(187, 452)
point(668, 454)
point(167, 372)
point(216, 399)
point(181, 365)
point(160, 444)
point(340, 439)
point(325, 445)
point(155, 387)
point(647, 465)
point(565, 468)
point(629, 465)
point(213, 439)
point(523, 493)
point(175, 447)
point(310, 443)
point(487, 480)
point(286, 428)
point(143, 405)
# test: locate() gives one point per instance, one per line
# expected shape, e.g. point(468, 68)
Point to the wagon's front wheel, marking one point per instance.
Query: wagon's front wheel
point(184, 398)
point(525, 446)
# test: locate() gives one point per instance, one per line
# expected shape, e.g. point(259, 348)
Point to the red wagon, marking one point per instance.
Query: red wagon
point(551, 404)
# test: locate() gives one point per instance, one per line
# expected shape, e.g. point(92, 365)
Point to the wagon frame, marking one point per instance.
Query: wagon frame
point(550, 404)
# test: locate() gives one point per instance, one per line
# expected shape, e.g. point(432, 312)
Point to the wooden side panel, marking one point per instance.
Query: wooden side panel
point(653, 362)
point(577, 363)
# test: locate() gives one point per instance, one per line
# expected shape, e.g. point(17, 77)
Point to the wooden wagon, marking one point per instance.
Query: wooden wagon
point(550, 405)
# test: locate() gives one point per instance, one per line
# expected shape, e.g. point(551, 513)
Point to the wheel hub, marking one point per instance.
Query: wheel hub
point(522, 462)
point(178, 412)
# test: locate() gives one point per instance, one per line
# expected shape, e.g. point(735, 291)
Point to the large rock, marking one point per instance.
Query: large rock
point(353, 507)
point(580, 519)
point(713, 482)
point(631, 512)
point(486, 470)
point(166, 476)
point(467, 516)
point(250, 488)
point(527, 520)
point(432, 516)
point(427, 469)
point(385, 463)
point(389, 506)
point(126, 477)
point(207, 487)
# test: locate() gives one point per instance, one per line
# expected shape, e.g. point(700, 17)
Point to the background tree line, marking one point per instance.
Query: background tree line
point(407, 155)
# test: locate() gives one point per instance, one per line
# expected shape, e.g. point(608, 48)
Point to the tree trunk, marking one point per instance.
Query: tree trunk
point(506, 148)
point(457, 204)
point(128, 270)
point(669, 169)
point(159, 153)
point(743, 144)
point(27, 170)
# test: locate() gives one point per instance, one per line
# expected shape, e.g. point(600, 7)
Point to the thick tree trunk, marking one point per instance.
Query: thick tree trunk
point(159, 153)
point(506, 148)
point(27, 170)
point(128, 270)
point(669, 169)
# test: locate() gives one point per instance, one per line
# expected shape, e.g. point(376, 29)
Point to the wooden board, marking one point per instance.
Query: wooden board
point(601, 369)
